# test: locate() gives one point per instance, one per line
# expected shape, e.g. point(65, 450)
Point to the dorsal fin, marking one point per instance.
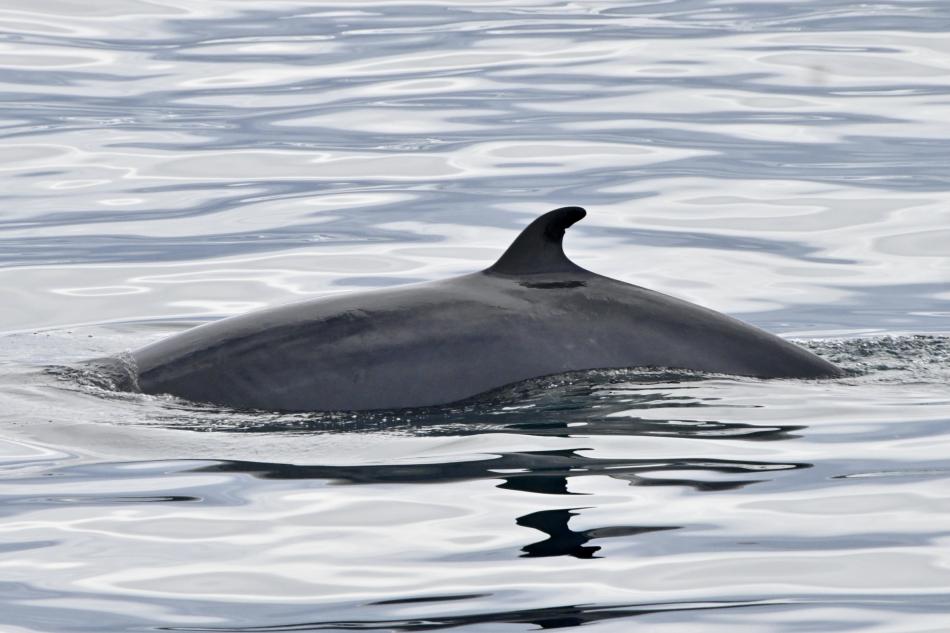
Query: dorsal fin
point(538, 249)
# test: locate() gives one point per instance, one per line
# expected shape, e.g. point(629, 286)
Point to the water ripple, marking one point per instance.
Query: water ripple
point(166, 163)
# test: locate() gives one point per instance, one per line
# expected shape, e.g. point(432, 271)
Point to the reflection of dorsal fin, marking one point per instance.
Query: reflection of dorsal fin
point(538, 249)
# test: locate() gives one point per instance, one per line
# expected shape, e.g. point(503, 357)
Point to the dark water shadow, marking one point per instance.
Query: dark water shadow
point(543, 618)
point(563, 541)
point(541, 472)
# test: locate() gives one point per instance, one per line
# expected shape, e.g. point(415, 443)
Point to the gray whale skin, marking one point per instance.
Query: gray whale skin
point(533, 313)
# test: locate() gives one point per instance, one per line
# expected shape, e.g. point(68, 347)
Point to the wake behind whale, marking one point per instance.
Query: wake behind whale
point(533, 313)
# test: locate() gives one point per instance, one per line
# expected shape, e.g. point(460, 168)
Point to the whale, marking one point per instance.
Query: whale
point(533, 313)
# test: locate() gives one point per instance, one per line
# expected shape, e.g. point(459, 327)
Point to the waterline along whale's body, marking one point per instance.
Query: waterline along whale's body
point(533, 313)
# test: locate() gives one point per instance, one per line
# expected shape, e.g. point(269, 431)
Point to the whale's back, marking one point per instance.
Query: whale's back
point(447, 341)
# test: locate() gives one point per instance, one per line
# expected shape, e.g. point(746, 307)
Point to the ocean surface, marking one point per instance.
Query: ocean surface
point(165, 163)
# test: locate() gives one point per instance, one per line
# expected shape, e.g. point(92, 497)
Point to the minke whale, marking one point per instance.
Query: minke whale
point(532, 313)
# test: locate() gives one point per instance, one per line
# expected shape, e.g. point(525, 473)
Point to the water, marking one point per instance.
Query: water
point(165, 163)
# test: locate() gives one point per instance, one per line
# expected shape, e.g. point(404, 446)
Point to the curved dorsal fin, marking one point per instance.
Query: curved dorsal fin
point(538, 249)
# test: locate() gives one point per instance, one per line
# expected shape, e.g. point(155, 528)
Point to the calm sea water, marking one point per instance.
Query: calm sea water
point(169, 162)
